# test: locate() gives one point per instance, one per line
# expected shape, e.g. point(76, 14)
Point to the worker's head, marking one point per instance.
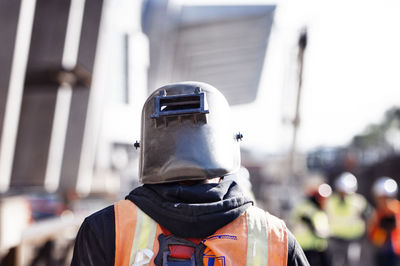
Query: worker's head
point(187, 134)
point(346, 184)
point(316, 188)
point(384, 190)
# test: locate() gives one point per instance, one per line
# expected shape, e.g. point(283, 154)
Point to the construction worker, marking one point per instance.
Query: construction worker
point(384, 224)
point(347, 212)
point(185, 213)
point(310, 223)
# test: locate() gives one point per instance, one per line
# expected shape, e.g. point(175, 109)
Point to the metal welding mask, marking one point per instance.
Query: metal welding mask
point(187, 134)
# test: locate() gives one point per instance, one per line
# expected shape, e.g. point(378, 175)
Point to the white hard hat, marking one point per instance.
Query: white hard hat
point(385, 186)
point(346, 183)
point(315, 183)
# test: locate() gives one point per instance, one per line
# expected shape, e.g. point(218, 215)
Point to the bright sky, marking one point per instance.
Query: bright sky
point(352, 73)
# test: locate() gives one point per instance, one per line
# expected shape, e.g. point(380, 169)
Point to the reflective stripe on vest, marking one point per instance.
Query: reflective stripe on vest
point(261, 234)
point(257, 237)
point(134, 231)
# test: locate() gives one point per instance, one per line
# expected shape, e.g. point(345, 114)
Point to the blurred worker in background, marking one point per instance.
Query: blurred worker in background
point(384, 225)
point(310, 222)
point(347, 212)
point(186, 213)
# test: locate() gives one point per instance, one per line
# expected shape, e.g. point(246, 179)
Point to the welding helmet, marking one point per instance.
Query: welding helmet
point(385, 187)
point(187, 134)
point(346, 183)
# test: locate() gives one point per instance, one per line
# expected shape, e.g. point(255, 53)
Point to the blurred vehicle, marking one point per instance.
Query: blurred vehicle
point(45, 205)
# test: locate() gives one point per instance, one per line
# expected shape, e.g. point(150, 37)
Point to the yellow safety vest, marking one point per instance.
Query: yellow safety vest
point(254, 238)
point(308, 239)
point(345, 218)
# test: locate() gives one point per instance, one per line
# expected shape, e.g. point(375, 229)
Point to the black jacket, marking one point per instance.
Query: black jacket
point(187, 211)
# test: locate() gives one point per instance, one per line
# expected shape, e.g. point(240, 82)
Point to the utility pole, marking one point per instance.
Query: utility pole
point(302, 44)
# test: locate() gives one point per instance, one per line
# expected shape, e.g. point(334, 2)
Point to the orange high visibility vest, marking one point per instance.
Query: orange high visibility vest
point(254, 238)
point(378, 235)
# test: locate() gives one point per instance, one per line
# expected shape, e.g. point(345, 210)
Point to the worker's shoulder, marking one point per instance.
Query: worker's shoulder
point(305, 206)
point(359, 200)
point(295, 255)
point(272, 219)
point(358, 196)
point(275, 219)
point(104, 215)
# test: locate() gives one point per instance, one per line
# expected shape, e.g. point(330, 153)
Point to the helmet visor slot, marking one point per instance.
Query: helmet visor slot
point(179, 105)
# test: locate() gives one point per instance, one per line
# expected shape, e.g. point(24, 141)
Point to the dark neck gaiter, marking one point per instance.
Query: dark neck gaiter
point(195, 211)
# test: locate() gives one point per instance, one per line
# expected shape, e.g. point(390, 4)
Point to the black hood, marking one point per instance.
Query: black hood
point(195, 211)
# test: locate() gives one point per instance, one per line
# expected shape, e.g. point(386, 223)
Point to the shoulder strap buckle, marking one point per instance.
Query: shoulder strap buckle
point(178, 251)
